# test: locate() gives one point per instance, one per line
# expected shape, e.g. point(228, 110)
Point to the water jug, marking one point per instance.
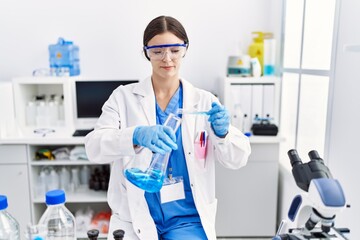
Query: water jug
point(64, 58)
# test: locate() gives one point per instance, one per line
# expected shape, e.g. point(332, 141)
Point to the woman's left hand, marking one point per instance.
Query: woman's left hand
point(219, 119)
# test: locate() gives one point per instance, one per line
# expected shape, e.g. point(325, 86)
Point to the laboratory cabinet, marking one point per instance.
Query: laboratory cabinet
point(78, 197)
point(35, 101)
point(14, 181)
point(247, 197)
point(21, 170)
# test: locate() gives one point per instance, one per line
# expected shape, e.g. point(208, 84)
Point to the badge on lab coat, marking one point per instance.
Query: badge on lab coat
point(172, 190)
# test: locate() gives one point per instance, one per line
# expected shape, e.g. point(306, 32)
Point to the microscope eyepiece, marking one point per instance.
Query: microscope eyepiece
point(314, 155)
point(294, 157)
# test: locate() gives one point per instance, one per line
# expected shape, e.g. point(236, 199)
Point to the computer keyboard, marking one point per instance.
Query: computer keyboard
point(81, 132)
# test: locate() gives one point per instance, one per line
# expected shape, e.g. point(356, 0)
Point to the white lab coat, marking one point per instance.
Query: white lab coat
point(111, 142)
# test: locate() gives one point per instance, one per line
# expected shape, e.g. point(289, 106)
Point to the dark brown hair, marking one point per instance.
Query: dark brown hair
point(161, 25)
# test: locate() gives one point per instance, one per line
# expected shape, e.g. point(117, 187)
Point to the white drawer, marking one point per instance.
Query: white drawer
point(10, 154)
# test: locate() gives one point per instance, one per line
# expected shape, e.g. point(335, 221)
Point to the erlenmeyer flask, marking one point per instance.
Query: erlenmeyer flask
point(152, 179)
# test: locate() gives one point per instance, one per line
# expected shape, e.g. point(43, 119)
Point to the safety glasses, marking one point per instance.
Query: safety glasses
point(174, 51)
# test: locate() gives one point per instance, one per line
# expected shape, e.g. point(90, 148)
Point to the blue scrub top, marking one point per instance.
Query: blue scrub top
point(175, 214)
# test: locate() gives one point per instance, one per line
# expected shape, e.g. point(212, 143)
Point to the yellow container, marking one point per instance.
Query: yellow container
point(256, 49)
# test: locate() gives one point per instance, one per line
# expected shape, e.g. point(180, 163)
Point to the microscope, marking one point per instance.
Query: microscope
point(312, 212)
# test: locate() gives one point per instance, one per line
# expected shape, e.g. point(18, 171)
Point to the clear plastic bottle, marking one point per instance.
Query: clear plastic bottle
point(65, 179)
point(53, 111)
point(31, 113)
point(59, 220)
point(84, 175)
point(255, 67)
point(75, 180)
point(61, 113)
point(9, 227)
point(54, 180)
point(41, 113)
point(41, 185)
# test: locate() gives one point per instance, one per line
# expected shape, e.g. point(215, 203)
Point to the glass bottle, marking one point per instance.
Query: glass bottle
point(31, 113)
point(59, 220)
point(9, 227)
point(41, 113)
point(152, 179)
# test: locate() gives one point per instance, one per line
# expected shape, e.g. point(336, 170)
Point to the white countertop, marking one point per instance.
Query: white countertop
point(266, 139)
point(43, 140)
point(63, 136)
point(56, 136)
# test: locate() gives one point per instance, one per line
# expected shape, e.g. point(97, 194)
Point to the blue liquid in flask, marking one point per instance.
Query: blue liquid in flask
point(149, 182)
point(152, 179)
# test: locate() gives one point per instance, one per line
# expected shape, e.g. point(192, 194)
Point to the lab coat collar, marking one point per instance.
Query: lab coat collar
point(190, 96)
point(146, 97)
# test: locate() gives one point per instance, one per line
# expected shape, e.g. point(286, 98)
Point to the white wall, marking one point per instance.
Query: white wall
point(342, 142)
point(109, 34)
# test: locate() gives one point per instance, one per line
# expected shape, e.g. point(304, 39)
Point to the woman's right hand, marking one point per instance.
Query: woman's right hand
point(158, 138)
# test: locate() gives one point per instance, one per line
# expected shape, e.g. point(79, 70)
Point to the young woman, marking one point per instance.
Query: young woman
point(130, 130)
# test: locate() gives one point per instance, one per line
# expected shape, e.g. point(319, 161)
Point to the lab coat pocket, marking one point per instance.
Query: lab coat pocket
point(200, 145)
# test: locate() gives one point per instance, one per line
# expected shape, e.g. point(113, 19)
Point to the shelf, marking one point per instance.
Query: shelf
point(49, 134)
point(82, 195)
point(251, 80)
point(44, 80)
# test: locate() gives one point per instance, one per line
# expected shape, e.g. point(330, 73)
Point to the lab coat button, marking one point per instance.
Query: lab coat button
point(138, 231)
point(192, 185)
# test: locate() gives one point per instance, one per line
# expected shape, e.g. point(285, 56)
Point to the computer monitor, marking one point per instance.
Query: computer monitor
point(89, 97)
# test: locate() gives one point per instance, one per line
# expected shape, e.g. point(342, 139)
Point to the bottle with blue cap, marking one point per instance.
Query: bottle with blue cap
point(59, 220)
point(9, 227)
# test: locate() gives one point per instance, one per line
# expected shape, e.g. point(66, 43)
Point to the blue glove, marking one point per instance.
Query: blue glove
point(219, 119)
point(158, 138)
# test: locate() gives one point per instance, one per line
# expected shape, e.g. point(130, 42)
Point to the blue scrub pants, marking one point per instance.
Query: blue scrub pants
point(188, 231)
